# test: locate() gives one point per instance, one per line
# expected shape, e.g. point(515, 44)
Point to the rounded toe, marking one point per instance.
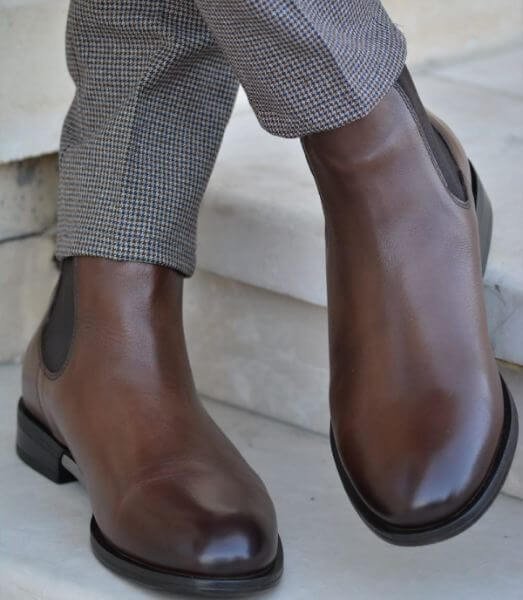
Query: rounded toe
point(174, 528)
point(419, 487)
point(236, 546)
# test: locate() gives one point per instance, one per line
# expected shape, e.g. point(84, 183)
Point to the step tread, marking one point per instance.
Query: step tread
point(34, 103)
point(44, 541)
point(272, 212)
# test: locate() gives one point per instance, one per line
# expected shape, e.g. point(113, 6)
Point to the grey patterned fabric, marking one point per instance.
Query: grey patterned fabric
point(154, 94)
point(155, 85)
point(308, 65)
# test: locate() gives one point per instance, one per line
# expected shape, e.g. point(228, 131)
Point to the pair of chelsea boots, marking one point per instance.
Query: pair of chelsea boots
point(423, 428)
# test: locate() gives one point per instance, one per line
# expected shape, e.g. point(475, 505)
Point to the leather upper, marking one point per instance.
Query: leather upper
point(416, 400)
point(165, 484)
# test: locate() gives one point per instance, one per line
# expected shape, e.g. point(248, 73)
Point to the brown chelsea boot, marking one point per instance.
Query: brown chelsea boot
point(423, 429)
point(108, 398)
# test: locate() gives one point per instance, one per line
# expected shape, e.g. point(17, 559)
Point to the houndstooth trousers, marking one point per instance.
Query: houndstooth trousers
point(155, 84)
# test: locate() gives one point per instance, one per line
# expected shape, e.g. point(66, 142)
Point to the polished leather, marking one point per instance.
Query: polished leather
point(415, 395)
point(165, 484)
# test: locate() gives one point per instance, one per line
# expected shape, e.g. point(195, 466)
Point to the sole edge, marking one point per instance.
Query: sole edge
point(457, 523)
point(166, 580)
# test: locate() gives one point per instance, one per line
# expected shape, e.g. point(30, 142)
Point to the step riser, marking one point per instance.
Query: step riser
point(28, 191)
point(268, 353)
point(27, 277)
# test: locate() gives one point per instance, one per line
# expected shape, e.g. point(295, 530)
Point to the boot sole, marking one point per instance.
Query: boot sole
point(493, 482)
point(38, 448)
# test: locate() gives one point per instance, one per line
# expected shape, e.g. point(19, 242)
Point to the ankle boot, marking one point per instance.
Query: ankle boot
point(423, 429)
point(108, 398)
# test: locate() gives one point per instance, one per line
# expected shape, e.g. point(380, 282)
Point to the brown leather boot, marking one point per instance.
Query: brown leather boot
point(108, 398)
point(423, 428)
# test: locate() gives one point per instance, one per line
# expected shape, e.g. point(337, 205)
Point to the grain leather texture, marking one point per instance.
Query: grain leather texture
point(165, 484)
point(415, 395)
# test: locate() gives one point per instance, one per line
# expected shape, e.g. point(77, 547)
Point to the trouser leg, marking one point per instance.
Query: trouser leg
point(308, 65)
point(155, 89)
point(153, 95)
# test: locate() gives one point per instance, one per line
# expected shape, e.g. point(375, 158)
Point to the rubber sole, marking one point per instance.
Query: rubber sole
point(38, 448)
point(167, 580)
point(489, 490)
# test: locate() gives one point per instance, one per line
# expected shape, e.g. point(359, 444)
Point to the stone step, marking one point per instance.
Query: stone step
point(267, 229)
point(35, 89)
point(438, 31)
point(28, 191)
point(255, 313)
point(27, 276)
point(268, 353)
point(329, 553)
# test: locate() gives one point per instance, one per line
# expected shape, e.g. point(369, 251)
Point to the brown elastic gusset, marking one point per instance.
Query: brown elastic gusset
point(57, 332)
point(438, 146)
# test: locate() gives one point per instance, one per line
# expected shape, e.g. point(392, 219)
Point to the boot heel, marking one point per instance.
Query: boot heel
point(484, 215)
point(39, 449)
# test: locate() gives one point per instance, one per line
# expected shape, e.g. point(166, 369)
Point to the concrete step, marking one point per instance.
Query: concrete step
point(35, 89)
point(329, 553)
point(267, 229)
point(255, 314)
point(268, 353)
point(28, 192)
point(438, 31)
point(27, 276)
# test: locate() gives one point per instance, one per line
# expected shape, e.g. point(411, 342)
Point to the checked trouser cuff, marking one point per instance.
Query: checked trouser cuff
point(155, 85)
